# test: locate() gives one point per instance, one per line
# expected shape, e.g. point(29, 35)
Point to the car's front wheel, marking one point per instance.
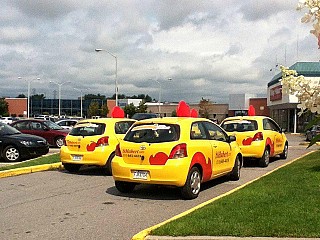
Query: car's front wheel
point(59, 142)
point(73, 168)
point(108, 166)
point(11, 154)
point(125, 187)
point(235, 173)
point(284, 154)
point(191, 188)
point(264, 161)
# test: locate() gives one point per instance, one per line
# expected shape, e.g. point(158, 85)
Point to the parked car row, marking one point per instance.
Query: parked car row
point(176, 151)
point(17, 146)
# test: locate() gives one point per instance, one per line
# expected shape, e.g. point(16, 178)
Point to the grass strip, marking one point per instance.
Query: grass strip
point(54, 158)
point(285, 203)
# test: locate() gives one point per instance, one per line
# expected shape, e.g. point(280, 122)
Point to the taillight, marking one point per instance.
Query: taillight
point(179, 151)
point(118, 151)
point(258, 136)
point(104, 141)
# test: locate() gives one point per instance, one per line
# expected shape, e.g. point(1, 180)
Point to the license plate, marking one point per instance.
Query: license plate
point(140, 175)
point(76, 157)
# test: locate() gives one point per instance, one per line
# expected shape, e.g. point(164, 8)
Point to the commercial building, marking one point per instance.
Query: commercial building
point(283, 107)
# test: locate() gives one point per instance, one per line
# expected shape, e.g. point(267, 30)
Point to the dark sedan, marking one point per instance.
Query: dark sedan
point(15, 146)
point(50, 131)
point(312, 132)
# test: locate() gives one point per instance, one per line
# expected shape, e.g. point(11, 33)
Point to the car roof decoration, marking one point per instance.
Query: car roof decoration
point(183, 109)
point(251, 111)
point(194, 113)
point(117, 112)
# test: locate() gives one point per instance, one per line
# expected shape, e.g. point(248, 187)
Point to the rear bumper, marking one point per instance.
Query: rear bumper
point(173, 173)
point(254, 150)
point(98, 157)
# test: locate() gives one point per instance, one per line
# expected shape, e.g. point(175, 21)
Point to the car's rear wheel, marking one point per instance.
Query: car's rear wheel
point(284, 154)
point(125, 187)
point(59, 142)
point(264, 161)
point(11, 154)
point(191, 188)
point(73, 168)
point(108, 165)
point(235, 173)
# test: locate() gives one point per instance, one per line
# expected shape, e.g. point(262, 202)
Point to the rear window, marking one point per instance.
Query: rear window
point(122, 127)
point(153, 133)
point(88, 129)
point(240, 125)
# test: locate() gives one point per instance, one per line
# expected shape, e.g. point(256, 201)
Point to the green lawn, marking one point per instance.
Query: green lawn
point(38, 161)
point(285, 203)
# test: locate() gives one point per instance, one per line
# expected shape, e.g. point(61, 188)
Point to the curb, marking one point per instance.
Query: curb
point(144, 234)
point(26, 170)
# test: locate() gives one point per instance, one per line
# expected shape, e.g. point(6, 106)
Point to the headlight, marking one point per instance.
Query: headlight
point(27, 143)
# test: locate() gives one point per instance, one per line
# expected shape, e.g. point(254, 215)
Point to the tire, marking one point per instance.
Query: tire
point(59, 141)
point(125, 187)
point(284, 154)
point(72, 168)
point(264, 161)
point(191, 189)
point(235, 173)
point(11, 154)
point(108, 167)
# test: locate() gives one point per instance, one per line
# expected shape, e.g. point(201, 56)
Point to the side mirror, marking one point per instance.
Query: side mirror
point(232, 138)
point(283, 130)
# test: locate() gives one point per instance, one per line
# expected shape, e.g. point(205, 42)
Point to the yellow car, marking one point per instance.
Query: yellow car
point(259, 137)
point(175, 151)
point(93, 142)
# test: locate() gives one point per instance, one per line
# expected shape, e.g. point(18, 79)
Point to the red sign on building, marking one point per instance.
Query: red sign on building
point(276, 93)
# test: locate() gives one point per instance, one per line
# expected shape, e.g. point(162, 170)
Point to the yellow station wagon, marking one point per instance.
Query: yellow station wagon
point(259, 137)
point(93, 142)
point(176, 151)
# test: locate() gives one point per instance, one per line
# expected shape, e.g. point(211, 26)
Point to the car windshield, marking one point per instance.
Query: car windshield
point(153, 133)
point(8, 130)
point(240, 125)
point(88, 129)
point(53, 125)
point(140, 116)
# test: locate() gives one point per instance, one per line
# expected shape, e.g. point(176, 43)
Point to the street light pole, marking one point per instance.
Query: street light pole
point(160, 93)
point(28, 100)
point(116, 73)
point(80, 99)
point(59, 84)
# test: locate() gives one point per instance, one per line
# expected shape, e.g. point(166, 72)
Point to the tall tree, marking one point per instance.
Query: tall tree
point(4, 107)
point(129, 110)
point(93, 109)
point(204, 107)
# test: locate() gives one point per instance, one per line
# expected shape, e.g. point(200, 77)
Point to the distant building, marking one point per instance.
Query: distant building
point(283, 107)
point(239, 104)
point(17, 106)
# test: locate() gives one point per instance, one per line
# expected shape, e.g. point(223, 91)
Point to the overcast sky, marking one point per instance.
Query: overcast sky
point(209, 49)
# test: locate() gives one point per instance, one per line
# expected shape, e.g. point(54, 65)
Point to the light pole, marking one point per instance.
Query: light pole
point(116, 73)
point(28, 100)
point(80, 90)
point(160, 91)
point(59, 84)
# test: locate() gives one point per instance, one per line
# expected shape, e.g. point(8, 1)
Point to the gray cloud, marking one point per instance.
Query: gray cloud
point(209, 48)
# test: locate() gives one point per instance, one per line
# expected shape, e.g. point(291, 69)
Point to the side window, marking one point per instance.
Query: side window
point(36, 126)
point(274, 126)
point(122, 127)
point(215, 132)
point(22, 126)
point(197, 131)
point(270, 125)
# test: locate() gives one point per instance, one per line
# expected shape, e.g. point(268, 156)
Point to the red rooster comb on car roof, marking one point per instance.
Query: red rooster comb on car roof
point(117, 112)
point(251, 111)
point(183, 109)
point(194, 113)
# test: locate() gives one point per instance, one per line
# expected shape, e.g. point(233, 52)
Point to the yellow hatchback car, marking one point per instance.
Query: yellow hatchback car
point(259, 137)
point(175, 151)
point(93, 142)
